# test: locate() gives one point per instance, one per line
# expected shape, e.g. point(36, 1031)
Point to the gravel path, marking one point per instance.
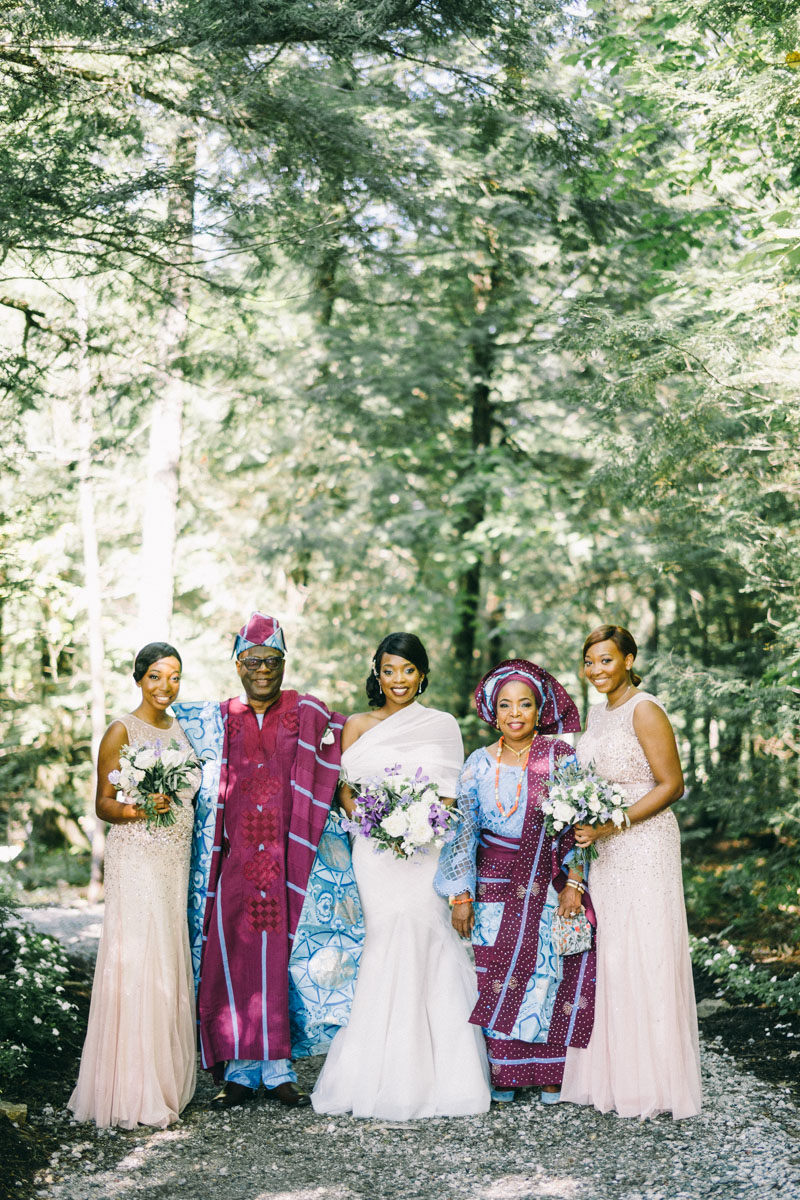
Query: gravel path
point(744, 1143)
point(78, 929)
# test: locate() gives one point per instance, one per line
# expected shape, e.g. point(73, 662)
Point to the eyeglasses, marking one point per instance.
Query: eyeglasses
point(272, 664)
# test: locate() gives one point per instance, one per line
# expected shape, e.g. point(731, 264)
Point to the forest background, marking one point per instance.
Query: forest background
point(471, 318)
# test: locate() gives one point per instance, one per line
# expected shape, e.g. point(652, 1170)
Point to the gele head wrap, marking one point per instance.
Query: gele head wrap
point(557, 712)
point(259, 631)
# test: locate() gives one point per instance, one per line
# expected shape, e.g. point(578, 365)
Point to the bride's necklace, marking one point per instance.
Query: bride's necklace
point(526, 750)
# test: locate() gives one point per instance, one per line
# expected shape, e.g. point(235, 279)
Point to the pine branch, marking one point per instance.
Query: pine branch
point(731, 387)
point(32, 321)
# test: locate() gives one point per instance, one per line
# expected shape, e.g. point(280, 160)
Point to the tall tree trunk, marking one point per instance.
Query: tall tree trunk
point(496, 614)
point(465, 638)
point(326, 286)
point(584, 686)
point(159, 516)
point(655, 612)
point(92, 585)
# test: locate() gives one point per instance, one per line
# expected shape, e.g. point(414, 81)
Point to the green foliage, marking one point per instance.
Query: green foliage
point(742, 981)
point(36, 1020)
point(744, 889)
point(45, 870)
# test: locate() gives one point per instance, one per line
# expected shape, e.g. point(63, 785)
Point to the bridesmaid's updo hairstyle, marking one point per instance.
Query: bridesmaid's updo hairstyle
point(151, 653)
point(622, 639)
point(404, 645)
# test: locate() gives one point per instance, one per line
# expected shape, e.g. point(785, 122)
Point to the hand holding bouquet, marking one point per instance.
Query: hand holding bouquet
point(579, 796)
point(401, 814)
point(146, 773)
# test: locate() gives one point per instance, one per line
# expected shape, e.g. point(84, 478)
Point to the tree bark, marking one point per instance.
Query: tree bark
point(465, 639)
point(92, 585)
point(160, 511)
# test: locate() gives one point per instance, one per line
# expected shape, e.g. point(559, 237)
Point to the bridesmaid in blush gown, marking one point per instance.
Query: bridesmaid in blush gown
point(643, 1056)
point(408, 1050)
point(139, 1064)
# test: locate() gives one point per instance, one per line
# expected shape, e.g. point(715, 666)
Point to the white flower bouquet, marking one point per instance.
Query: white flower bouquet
point(401, 814)
point(147, 771)
point(579, 796)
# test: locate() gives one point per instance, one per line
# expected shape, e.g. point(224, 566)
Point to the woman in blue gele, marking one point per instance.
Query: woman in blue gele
point(507, 878)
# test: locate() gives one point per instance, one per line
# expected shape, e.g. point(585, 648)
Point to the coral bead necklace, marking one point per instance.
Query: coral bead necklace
point(526, 750)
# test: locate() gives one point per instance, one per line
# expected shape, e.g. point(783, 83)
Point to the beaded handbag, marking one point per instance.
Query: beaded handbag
point(571, 935)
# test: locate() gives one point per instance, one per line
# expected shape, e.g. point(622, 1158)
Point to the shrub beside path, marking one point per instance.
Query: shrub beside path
point(745, 1143)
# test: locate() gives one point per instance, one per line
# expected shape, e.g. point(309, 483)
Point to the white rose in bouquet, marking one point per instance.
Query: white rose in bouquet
point(396, 824)
point(594, 804)
point(563, 812)
point(144, 759)
point(617, 816)
point(173, 757)
point(419, 827)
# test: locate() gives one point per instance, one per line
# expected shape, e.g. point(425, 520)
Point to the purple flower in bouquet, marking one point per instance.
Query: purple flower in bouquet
point(440, 821)
point(375, 805)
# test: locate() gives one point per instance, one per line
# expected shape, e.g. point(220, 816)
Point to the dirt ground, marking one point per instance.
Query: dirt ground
point(745, 1140)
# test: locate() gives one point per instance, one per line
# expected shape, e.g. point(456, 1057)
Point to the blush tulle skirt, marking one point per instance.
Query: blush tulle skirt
point(139, 1062)
point(643, 1057)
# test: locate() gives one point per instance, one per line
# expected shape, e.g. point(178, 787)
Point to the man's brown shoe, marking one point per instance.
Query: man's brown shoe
point(232, 1095)
point(287, 1093)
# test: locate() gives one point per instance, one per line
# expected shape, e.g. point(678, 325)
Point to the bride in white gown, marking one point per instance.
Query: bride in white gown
point(409, 1050)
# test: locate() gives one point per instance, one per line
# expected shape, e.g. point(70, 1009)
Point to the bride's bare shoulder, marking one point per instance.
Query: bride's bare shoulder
point(357, 724)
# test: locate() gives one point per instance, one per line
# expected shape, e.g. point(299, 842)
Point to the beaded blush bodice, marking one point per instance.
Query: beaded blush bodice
point(610, 742)
point(178, 835)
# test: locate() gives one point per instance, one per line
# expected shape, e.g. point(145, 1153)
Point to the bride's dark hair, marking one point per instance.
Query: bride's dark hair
point(151, 653)
point(622, 639)
point(404, 645)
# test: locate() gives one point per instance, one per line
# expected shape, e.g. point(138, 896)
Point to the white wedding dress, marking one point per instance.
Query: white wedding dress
point(409, 1050)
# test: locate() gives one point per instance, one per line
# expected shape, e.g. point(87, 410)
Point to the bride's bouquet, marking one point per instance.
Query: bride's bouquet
point(401, 814)
point(147, 771)
point(579, 796)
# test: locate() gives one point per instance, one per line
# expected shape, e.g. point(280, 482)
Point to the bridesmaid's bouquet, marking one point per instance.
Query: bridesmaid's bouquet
point(401, 814)
point(579, 796)
point(146, 771)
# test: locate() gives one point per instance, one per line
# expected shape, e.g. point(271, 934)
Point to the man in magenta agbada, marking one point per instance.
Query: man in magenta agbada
point(277, 777)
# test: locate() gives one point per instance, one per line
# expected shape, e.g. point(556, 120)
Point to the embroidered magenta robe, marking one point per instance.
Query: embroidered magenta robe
point(276, 788)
